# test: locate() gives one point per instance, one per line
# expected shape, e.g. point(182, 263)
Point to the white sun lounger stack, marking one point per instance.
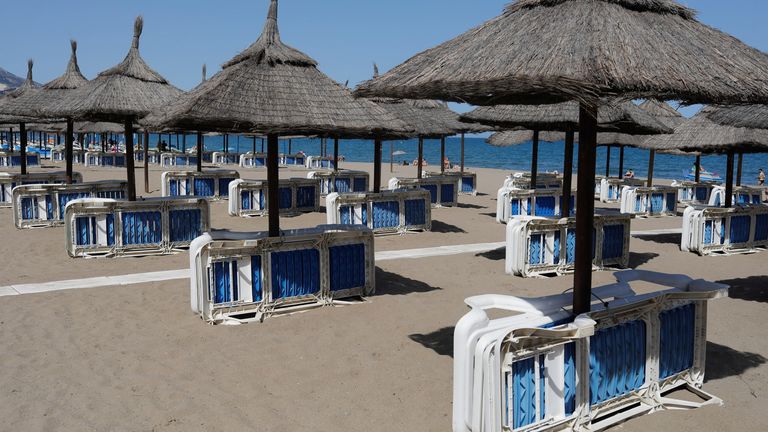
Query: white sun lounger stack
point(8, 181)
point(248, 198)
point(543, 181)
point(178, 159)
point(13, 159)
point(154, 226)
point(512, 202)
point(242, 277)
point(253, 160)
point(153, 156)
point(649, 201)
point(341, 181)
point(467, 180)
point(105, 159)
point(540, 246)
point(212, 184)
point(60, 155)
point(716, 230)
point(444, 190)
point(612, 188)
point(42, 205)
point(319, 162)
point(692, 193)
point(222, 158)
point(390, 211)
point(741, 195)
point(540, 368)
point(296, 160)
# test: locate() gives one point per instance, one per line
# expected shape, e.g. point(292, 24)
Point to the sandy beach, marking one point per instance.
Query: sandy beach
point(135, 358)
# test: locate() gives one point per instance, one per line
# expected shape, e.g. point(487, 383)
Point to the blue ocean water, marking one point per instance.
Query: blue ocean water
point(479, 154)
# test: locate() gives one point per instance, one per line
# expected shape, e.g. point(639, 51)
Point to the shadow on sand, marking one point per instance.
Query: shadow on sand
point(442, 227)
point(752, 288)
point(439, 341)
point(388, 283)
point(724, 362)
point(661, 238)
point(494, 255)
point(636, 259)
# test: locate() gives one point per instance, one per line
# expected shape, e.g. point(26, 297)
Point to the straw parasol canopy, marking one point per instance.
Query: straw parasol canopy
point(517, 137)
point(541, 51)
point(547, 51)
point(613, 116)
point(28, 87)
point(748, 116)
point(273, 89)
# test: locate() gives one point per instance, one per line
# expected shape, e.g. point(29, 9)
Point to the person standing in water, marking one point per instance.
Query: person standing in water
point(761, 177)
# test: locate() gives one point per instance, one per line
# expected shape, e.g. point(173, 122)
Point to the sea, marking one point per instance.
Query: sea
point(478, 153)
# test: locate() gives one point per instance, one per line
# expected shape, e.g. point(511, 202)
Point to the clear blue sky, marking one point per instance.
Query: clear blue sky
point(344, 36)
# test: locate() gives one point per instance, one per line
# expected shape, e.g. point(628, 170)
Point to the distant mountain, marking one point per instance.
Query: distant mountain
point(9, 81)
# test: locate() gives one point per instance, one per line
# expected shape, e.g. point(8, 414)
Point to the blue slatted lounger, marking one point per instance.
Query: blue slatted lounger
point(155, 226)
point(341, 181)
point(544, 180)
point(649, 201)
point(725, 231)
point(180, 159)
point(390, 211)
point(691, 193)
point(211, 184)
point(105, 159)
point(512, 203)
point(539, 368)
point(153, 156)
point(13, 159)
point(222, 158)
point(467, 180)
point(742, 195)
point(241, 277)
point(539, 246)
point(319, 162)
point(444, 190)
point(253, 160)
point(8, 181)
point(612, 188)
point(248, 198)
point(42, 205)
point(295, 160)
point(60, 155)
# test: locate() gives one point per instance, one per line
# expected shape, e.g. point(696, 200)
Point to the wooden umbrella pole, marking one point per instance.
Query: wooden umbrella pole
point(608, 162)
point(738, 169)
point(420, 160)
point(391, 157)
point(290, 144)
point(729, 181)
point(146, 161)
point(442, 155)
point(651, 162)
point(535, 160)
point(621, 162)
point(582, 277)
point(462, 153)
point(184, 142)
point(199, 151)
point(335, 154)
point(23, 146)
point(68, 150)
point(129, 159)
point(697, 169)
point(273, 186)
point(377, 165)
point(567, 174)
point(254, 144)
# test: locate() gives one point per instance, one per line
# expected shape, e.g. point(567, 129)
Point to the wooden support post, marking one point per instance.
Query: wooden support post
point(68, 148)
point(621, 162)
point(335, 154)
point(23, 146)
point(200, 149)
point(729, 181)
point(738, 169)
point(377, 165)
point(273, 185)
point(462, 153)
point(697, 177)
point(442, 155)
point(146, 161)
point(582, 277)
point(567, 174)
point(129, 166)
point(420, 160)
point(651, 162)
point(535, 160)
point(607, 161)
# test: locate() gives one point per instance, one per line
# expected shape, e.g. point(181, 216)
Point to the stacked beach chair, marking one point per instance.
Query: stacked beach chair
point(248, 198)
point(724, 231)
point(298, 160)
point(253, 160)
point(224, 158)
point(213, 184)
point(8, 181)
point(649, 201)
point(178, 159)
point(609, 190)
point(104, 159)
point(540, 368)
point(444, 190)
point(13, 159)
point(742, 195)
point(512, 202)
point(59, 154)
point(543, 181)
point(390, 211)
point(246, 277)
point(341, 181)
point(540, 246)
point(467, 180)
point(692, 193)
point(319, 162)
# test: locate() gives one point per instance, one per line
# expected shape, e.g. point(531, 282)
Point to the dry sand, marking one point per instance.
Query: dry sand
point(134, 358)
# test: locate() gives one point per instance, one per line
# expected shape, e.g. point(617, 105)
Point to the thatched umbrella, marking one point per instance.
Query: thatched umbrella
point(38, 103)
point(273, 89)
point(700, 134)
point(747, 116)
point(614, 116)
point(545, 51)
point(6, 102)
point(124, 94)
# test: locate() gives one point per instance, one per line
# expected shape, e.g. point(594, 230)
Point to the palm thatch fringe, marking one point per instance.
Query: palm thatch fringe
point(749, 116)
point(546, 51)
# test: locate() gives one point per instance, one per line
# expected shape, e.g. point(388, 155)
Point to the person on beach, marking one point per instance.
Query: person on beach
point(423, 162)
point(761, 177)
point(446, 163)
point(629, 174)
